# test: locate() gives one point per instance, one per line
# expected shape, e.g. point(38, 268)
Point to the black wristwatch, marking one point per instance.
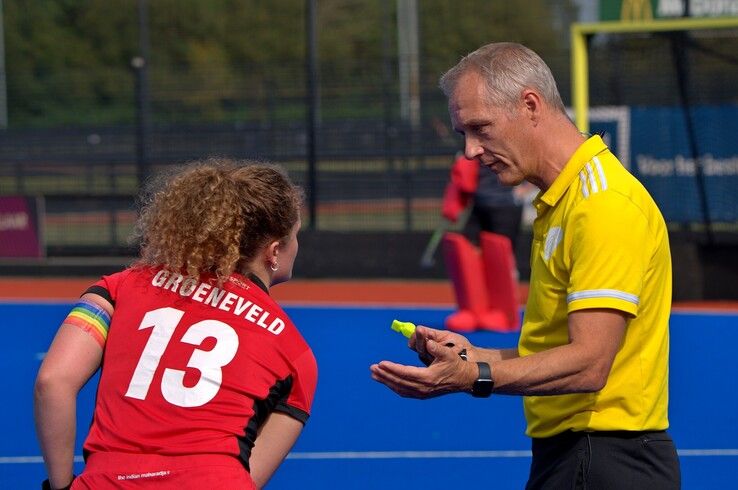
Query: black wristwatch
point(482, 387)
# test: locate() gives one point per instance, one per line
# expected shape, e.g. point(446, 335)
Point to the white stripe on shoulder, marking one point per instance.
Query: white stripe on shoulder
point(592, 181)
point(602, 293)
point(601, 172)
point(583, 179)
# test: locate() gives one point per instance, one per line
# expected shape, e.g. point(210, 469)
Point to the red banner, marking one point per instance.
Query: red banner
point(20, 230)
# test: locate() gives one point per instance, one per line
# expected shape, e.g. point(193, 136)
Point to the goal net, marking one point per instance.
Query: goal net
point(671, 87)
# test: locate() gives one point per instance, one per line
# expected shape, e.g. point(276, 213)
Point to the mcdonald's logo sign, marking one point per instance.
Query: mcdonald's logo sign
point(633, 10)
point(645, 10)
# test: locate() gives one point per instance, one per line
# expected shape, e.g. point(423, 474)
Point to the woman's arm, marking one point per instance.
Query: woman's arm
point(72, 359)
point(275, 439)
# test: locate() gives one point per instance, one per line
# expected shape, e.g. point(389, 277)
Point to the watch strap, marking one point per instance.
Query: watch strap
point(482, 387)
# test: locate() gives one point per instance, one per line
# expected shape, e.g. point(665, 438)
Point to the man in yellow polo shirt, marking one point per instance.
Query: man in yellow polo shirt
point(592, 360)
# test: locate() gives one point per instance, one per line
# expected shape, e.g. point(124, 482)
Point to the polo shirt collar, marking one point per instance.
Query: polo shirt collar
point(584, 153)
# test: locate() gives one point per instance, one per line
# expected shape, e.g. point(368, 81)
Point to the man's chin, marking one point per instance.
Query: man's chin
point(507, 179)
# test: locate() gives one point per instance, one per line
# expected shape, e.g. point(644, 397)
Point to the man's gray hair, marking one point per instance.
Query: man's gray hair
point(507, 69)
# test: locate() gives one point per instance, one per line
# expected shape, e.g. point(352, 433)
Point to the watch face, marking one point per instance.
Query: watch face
point(482, 387)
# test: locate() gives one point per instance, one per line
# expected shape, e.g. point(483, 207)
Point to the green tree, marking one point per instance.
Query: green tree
point(68, 61)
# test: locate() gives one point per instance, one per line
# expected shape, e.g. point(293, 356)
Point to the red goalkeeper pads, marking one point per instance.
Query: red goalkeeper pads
point(461, 188)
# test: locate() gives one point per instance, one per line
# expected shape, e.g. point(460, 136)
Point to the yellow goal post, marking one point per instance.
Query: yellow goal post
point(581, 32)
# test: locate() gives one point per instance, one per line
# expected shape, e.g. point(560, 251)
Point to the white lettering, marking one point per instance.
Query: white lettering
point(201, 290)
point(276, 327)
point(262, 320)
point(654, 166)
point(173, 282)
point(136, 476)
point(714, 166)
point(685, 167)
point(218, 298)
point(253, 313)
point(697, 8)
point(160, 278)
point(215, 296)
point(241, 306)
point(713, 8)
point(14, 221)
point(670, 8)
point(188, 286)
point(225, 305)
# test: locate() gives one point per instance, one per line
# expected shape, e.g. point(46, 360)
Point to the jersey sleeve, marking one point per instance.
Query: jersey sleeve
point(609, 252)
point(107, 286)
point(299, 401)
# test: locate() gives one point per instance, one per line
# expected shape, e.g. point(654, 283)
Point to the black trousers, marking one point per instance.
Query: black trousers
point(503, 220)
point(605, 461)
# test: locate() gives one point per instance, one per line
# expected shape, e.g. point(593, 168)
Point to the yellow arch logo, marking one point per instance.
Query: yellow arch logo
point(636, 10)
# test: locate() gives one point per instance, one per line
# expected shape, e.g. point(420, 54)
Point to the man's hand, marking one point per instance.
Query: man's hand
point(447, 372)
point(419, 340)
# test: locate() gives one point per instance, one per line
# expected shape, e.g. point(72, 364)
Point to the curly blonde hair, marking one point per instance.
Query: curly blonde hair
point(213, 216)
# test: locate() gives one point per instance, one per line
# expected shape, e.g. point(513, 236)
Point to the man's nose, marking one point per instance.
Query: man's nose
point(472, 148)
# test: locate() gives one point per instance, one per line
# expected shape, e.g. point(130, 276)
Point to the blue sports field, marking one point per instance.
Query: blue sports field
point(363, 436)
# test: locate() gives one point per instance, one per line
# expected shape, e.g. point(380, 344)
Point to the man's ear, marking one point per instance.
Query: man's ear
point(532, 104)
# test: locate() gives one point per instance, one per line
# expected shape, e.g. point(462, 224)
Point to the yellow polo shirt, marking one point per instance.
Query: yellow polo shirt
point(599, 241)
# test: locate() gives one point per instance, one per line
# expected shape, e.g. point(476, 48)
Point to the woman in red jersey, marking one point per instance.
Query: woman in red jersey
point(204, 379)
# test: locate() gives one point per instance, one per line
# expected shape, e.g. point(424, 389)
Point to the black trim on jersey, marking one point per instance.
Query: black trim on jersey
point(258, 282)
point(100, 291)
point(278, 394)
point(293, 412)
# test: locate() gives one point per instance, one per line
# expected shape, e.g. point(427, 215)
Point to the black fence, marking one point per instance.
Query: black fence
point(371, 144)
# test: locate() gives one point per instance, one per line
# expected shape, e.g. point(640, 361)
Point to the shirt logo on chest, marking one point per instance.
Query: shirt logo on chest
point(553, 238)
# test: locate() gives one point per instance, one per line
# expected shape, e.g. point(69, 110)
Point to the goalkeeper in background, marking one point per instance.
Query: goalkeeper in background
point(481, 261)
point(495, 207)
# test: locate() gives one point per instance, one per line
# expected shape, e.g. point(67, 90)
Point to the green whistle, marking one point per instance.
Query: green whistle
point(405, 328)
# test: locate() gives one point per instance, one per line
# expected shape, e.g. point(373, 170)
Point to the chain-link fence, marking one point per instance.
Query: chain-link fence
point(101, 94)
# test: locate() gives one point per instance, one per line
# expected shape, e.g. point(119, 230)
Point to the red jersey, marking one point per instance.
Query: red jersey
point(193, 368)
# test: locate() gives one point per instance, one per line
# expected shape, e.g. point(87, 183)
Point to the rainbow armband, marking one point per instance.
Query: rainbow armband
point(91, 318)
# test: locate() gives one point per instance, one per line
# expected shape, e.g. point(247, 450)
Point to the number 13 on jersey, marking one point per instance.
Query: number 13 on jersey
point(163, 322)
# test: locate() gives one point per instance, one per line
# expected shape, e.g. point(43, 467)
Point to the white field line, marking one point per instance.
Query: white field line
point(339, 455)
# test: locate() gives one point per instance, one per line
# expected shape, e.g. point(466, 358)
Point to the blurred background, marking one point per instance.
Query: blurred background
point(98, 95)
